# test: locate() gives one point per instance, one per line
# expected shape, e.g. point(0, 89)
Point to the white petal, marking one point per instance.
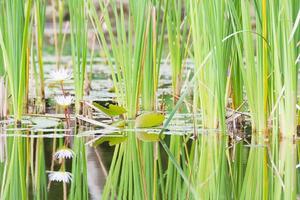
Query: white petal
point(64, 153)
point(60, 75)
point(60, 176)
point(64, 100)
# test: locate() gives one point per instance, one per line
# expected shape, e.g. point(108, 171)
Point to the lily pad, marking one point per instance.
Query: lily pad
point(110, 108)
point(44, 122)
point(111, 139)
point(149, 137)
point(149, 119)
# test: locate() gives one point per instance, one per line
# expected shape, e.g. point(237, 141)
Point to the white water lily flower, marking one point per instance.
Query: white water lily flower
point(64, 100)
point(60, 75)
point(297, 166)
point(60, 176)
point(64, 153)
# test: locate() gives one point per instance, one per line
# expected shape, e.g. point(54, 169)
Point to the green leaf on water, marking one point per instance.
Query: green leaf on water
point(44, 122)
point(149, 119)
point(110, 108)
point(149, 137)
point(111, 139)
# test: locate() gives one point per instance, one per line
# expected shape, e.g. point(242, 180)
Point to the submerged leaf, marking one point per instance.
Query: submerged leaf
point(110, 108)
point(149, 119)
point(111, 139)
point(43, 122)
point(149, 137)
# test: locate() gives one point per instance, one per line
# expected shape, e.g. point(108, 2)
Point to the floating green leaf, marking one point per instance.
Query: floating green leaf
point(110, 108)
point(44, 122)
point(112, 139)
point(149, 119)
point(149, 137)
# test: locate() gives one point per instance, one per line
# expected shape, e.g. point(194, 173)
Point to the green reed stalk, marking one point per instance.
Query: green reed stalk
point(256, 81)
point(284, 54)
point(2, 165)
point(79, 46)
point(14, 44)
point(40, 8)
point(177, 23)
point(14, 179)
point(154, 41)
point(126, 45)
point(255, 73)
point(283, 41)
point(238, 153)
point(3, 87)
point(193, 156)
point(209, 27)
point(40, 180)
point(268, 62)
point(3, 159)
point(79, 185)
point(213, 79)
point(60, 35)
point(14, 41)
point(236, 82)
point(2, 69)
point(177, 41)
point(40, 106)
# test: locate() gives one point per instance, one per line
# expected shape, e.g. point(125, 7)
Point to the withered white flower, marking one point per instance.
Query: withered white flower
point(64, 100)
point(64, 153)
point(60, 176)
point(60, 75)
